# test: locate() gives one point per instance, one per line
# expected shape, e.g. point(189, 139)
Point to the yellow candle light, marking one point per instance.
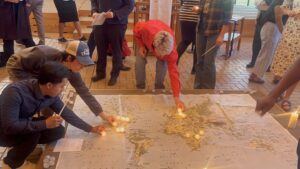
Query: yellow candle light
point(187, 135)
point(103, 133)
point(197, 136)
point(201, 132)
point(114, 124)
point(293, 119)
point(180, 113)
point(120, 129)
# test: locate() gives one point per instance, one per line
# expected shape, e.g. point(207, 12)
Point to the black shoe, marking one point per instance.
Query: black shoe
point(62, 40)
point(97, 78)
point(112, 81)
point(19, 42)
point(41, 42)
point(3, 59)
point(159, 86)
point(250, 65)
point(125, 68)
point(83, 38)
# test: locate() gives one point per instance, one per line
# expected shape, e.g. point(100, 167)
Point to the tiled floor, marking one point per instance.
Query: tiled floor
point(231, 73)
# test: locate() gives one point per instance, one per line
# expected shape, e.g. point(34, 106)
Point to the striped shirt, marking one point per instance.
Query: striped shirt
point(186, 12)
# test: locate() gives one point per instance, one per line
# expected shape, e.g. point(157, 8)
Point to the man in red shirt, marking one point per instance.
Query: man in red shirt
point(157, 37)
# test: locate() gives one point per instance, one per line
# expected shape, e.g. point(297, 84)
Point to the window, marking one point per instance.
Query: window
point(245, 2)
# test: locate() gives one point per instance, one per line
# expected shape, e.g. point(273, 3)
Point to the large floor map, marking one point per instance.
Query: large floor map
point(219, 132)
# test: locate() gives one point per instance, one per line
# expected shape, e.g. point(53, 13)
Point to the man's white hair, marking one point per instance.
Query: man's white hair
point(163, 43)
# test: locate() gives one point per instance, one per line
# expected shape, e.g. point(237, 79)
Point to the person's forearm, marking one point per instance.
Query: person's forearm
point(291, 77)
point(225, 29)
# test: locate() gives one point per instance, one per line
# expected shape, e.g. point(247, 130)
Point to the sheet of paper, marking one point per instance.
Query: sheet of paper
point(2, 149)
point(99, 19)
point(68, 145)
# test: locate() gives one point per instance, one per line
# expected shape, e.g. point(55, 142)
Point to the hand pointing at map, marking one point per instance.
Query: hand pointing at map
point(179, 104)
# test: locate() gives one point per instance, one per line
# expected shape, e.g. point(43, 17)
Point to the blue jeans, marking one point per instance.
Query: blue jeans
point(140, 72)
point(205, 68)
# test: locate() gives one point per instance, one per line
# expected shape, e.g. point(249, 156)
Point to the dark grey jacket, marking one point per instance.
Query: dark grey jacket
point(21, 100)
point(120, 8)
point(27, 63)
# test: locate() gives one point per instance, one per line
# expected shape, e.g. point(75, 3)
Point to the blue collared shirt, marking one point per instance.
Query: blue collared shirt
point(21, 100)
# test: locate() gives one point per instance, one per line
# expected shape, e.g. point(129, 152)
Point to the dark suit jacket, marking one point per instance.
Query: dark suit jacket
point(120, 8)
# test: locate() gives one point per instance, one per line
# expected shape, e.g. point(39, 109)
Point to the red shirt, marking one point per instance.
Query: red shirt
point(144, 33)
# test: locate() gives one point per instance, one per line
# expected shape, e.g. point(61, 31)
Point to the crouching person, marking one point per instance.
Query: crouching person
point(20, 129)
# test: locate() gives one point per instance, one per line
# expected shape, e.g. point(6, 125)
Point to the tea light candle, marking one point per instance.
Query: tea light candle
point(120, 129)
point(103, 133)
point(187, 135)
point(293, 119)
point(114, 124)
point(180, 113)
point(197, 136)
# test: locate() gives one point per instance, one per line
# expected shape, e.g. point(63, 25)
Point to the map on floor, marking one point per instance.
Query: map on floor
point(215, 131)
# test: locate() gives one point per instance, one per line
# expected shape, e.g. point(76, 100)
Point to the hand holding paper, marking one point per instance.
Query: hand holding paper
point(99, 18)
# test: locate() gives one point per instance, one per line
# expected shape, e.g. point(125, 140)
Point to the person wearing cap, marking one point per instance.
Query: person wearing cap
point(155, 36)
point(20, 101)
point(26, 64)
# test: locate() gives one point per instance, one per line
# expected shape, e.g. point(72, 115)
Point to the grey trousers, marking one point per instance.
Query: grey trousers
point(205, 67)
point(270, 36)
point(140, 72)
point(37, 9)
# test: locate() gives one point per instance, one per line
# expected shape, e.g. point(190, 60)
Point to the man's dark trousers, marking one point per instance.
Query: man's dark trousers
point(109, 34)
point(23, 145)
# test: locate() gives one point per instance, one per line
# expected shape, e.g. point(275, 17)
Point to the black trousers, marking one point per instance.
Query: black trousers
point(91, 42)
point(8, 48)
point(105, 35)
point(256, 44)
point(23, 145)
point(188, 36)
